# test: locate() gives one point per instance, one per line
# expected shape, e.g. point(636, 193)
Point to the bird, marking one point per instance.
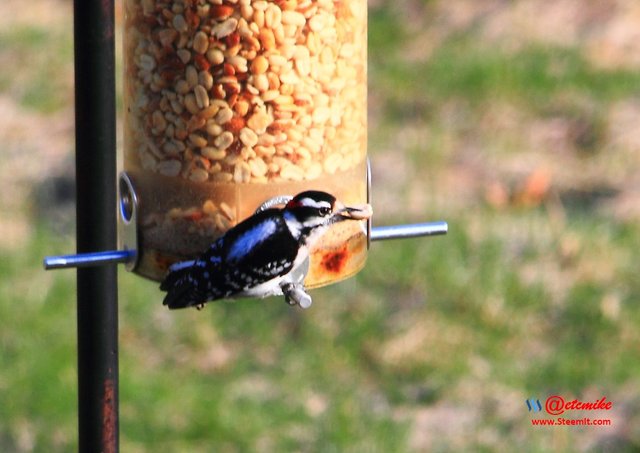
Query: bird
point(264, 255)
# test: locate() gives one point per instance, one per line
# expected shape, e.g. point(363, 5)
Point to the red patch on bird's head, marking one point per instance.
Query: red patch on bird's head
point(295, 203)
point(311, 198)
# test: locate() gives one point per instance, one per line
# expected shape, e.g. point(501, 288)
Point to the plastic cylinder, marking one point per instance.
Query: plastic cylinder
point(230, 103)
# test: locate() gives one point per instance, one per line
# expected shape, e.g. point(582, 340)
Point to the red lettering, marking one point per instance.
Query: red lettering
point(603, 404)
point(543, 422)
point(576, 405)
point(571, 405)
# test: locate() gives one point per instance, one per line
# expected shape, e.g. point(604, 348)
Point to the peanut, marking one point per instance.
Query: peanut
point(213, 153)
point(169, 167)
point(200, 42)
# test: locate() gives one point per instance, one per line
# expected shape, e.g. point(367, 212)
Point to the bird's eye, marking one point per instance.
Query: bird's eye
point(325, 211)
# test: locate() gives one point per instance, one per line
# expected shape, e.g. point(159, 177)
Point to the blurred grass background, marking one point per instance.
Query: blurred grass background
point(515, 121)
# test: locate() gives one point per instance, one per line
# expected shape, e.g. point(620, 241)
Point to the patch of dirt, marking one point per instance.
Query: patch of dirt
point(439, 427)
point(35, 13)
point(33, 146)
point(607, 30)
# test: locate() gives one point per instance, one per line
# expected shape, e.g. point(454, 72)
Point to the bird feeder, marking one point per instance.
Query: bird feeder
point(230, 105)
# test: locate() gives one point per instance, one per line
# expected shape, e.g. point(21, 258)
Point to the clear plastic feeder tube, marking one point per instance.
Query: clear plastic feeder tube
point(230, 103)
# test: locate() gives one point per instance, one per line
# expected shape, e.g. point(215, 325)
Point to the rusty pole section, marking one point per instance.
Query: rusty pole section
point(96, 224)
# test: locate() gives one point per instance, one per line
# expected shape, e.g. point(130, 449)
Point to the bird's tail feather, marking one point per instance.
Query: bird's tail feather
point(180, 287)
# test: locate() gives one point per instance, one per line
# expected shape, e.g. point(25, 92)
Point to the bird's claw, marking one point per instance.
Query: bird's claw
point(295, 294)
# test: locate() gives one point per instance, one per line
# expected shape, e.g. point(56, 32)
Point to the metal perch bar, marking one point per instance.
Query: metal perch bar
point(408, 231)
point(88, 259)
point(124, 256)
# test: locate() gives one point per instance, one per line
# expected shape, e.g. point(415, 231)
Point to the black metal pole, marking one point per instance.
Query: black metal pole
point(96, 224)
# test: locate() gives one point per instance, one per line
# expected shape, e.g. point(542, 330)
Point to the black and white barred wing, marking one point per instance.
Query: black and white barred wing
point(189, 283)
point(253, 259)
point(248, 256)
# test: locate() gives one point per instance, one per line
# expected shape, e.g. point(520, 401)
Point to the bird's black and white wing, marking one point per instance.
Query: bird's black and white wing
point(248, 256)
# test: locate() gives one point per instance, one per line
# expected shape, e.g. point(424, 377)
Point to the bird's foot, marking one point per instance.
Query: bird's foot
point(295, 294)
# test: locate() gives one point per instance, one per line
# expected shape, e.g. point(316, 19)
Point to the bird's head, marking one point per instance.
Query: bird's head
point(313, 211)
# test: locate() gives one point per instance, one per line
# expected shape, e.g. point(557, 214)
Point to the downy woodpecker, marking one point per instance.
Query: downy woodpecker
point(261, 256)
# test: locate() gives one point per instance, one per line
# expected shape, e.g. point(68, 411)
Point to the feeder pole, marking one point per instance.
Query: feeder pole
point(97, 302)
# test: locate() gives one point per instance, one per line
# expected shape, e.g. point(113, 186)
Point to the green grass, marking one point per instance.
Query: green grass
point(534, 75)
point(37, 401)
point(37, 71)
point(542, 78)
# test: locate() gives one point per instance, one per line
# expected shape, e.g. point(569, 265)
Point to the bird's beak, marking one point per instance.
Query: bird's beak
point(361, 212)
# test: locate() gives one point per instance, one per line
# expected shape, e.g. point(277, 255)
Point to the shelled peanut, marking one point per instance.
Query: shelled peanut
point(207, 220)
point(246, 91)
